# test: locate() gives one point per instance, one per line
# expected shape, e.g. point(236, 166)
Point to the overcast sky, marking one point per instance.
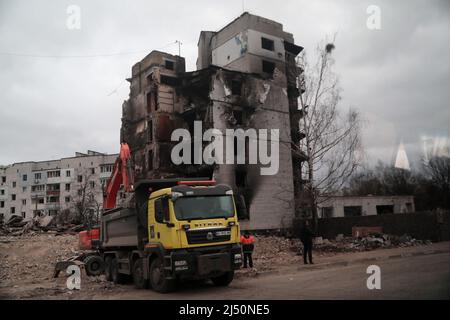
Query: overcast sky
point(62, 89)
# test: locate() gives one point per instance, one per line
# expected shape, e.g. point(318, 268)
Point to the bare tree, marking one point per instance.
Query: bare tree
point(84, 204)
point(331, 140)
point(437, 169)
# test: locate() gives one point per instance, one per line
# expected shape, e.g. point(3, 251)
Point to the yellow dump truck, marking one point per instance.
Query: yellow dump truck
point(172, 230)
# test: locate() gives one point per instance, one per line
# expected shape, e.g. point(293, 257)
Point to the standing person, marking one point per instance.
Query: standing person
point(248, 245)
point(306, 236)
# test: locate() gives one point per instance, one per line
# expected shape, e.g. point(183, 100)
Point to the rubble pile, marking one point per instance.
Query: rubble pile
point(17, 226)
point(270, 249)
point(273, 251)
point(370, 242)
point(32, 257)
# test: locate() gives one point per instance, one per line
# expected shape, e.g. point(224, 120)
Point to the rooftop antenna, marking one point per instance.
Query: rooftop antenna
point(179, 47)
point(243, 8)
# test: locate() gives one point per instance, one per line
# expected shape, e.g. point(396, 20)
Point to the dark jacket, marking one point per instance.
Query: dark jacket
point(306, 234)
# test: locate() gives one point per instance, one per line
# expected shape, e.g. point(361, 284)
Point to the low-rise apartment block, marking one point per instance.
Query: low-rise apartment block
point(48, 187)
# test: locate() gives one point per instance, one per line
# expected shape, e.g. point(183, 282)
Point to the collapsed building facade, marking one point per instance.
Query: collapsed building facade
point(246, 77)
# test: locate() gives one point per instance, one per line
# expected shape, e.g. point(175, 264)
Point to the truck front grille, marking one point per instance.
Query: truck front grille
point(208, 235)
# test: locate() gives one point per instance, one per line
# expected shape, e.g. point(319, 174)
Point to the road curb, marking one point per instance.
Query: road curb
point(343, 263)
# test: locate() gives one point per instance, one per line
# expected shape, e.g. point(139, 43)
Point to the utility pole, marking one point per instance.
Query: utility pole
point(179, 47)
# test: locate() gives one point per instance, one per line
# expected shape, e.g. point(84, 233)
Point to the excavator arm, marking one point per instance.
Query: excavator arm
point(122, 175)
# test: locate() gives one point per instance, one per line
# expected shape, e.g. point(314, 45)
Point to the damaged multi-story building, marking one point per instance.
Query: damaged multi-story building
point(246, 77)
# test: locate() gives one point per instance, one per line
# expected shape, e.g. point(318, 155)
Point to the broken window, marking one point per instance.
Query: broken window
point(149, 102)
point(80, 178)
point(236, 87)
point(241, 178)
point(352, 211)
point(327, 212)
point(13, 210)
point(385, 209)
point(238, 116)
point(268, 67)
point(150, 160)
point(3, 179)
point(2, 204)
point(171, 81)
point(267, 44)
point(170, 65)
point(150, 130)
point(13, 197)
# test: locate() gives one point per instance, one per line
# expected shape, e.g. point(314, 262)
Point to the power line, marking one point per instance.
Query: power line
point(15, 54)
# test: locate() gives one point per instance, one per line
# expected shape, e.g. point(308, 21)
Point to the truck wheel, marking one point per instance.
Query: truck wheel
point(94, 265)
point(117, 277)
point(158, 280)
point(223, 280)
point(108, 274)
point(138, 274)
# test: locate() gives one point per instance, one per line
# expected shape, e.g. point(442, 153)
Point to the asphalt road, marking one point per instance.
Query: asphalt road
point(413, 277)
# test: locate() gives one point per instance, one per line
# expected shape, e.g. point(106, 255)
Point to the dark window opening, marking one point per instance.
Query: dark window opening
point(352, 211)
point(149, 102)
point(170, 65)
point(170, 81)
point(241, 178)
point(150, 130)
point(149, 79)
point(268, 67)
point(236, 87)
point(385, 209)
point(150, 160)
point(238, 116)
point(267, 44)
point(327, 212)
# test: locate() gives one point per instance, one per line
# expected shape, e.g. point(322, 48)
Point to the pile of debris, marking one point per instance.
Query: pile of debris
point(370, 242)
point(273, 251)
point(17, 226)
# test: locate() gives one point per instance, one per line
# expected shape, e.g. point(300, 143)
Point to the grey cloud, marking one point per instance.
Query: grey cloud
point(51, 107)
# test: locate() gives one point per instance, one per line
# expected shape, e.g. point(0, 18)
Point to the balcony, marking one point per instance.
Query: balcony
point(52, 206)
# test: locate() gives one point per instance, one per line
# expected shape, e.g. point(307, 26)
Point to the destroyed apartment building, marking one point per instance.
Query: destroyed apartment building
point(246, 77)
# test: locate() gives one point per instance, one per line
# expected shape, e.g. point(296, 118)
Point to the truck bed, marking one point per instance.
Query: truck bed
point(119, 228)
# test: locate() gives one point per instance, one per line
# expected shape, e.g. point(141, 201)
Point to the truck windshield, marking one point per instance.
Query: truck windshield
point(191, 208)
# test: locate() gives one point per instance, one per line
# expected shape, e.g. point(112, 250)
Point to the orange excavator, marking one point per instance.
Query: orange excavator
point(122, 175)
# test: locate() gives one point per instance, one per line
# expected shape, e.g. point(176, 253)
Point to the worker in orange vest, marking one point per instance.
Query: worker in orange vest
point(248, 245)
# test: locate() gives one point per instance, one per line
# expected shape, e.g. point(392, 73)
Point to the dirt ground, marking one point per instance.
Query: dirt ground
point(27, 264)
